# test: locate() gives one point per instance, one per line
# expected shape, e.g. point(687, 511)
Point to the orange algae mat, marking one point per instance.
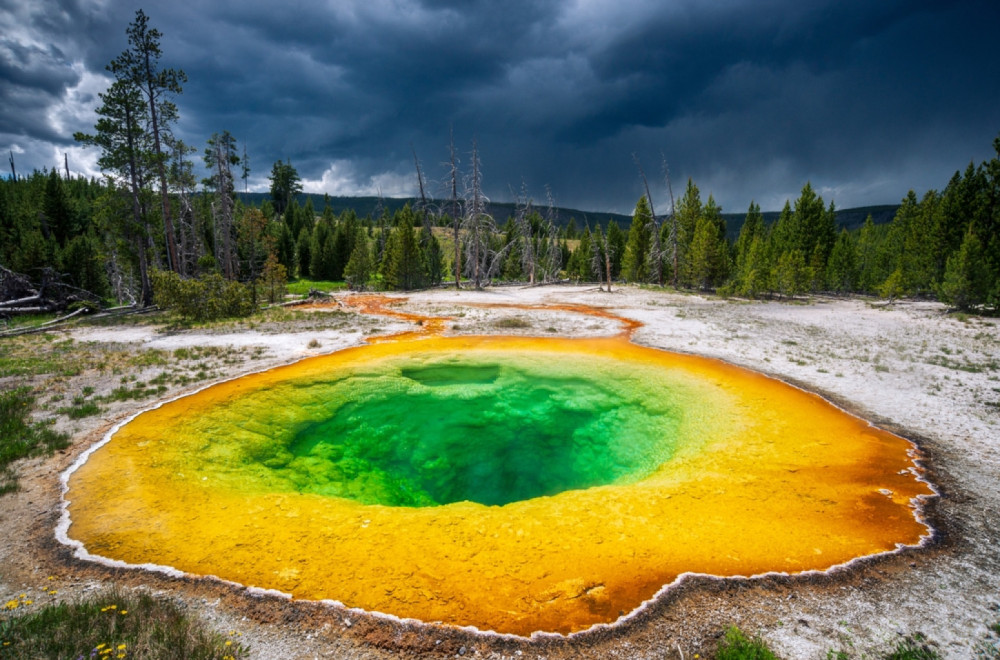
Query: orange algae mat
point(711, 469)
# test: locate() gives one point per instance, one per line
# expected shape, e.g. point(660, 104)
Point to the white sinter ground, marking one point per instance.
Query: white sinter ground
point(910, 367)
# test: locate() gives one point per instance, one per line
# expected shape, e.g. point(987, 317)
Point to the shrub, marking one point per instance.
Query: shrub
point(206, 299)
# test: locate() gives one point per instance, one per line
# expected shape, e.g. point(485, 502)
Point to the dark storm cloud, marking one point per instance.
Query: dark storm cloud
point(750, 99)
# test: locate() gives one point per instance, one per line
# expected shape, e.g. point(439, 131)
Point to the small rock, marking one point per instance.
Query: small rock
point(461, 651)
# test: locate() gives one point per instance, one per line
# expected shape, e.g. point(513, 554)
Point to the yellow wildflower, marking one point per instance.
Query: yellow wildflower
point(229, 642)
point(123, 612)
point(121, 647)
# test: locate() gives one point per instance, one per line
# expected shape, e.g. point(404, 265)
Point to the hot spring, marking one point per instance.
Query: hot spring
point(512, 484)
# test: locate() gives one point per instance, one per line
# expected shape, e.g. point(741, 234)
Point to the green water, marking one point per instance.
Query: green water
point(429, 429)
point(491, 433)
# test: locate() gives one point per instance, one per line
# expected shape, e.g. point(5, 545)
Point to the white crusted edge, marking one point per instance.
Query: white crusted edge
point(81, 552)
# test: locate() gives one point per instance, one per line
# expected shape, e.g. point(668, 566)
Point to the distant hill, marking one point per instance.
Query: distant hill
point(364, 206)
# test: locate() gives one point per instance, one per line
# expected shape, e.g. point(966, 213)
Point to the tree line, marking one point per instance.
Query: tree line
point(944, 244)
point(146, 233)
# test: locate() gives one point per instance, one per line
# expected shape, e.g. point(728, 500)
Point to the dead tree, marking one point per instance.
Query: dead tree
point(13, 172)
point(456, 214)
point(601, 261)
point(478, 224)
point(553, 255)
point(655, 246)
point(522, 209)
point(20, 295)
point(220, 157)
point(182, 183)
point(424, 204)
point(673, 239)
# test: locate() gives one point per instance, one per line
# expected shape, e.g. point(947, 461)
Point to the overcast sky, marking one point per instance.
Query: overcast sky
point(751, 98)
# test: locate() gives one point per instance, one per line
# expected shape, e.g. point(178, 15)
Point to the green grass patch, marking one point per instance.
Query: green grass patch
point(302, 287)
point(113, 625)
point(736, 645)
point(19, 437)
point(28, 321)
point(136, 393)
point(913, 647)
point(81, 409)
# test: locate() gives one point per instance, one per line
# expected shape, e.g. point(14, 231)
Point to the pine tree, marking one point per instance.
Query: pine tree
point(689, 210)
point(303, 252)
point(319, 261)
point(360, 266)
point(791, 273)
point(705, 254)
point(753, 226)
point(756, 276)
point(870, 271)
point(404, 263)
point(721, 267)
point(616, 241)
point(842, 269)
point(125, 153)
point(59, 216)
point(285, 185)
point(432, 256)
point(636, 263)
point(750, 270)
point(139, 65)
point(966, 278)
point(919, 260)
point(581, 266)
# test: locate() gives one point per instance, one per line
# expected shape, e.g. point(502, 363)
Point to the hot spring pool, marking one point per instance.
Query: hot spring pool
point(512, 484)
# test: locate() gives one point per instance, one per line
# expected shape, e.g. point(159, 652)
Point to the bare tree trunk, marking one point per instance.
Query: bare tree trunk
point(423, 193)
point(456, 215)
point(476, 220)
point(602, 248)
point(673, 224)
point(137, 212)
point(656, 249)
point(522, 209)
point(13, 172)
point(168, 226)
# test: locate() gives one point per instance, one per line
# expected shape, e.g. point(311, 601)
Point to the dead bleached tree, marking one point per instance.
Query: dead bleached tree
point(522, 209)
point(220, 156)
point(478, 224)
point(454, 209)
point(553, 254)
point(673, 239)
point(424, 205)
point(601, 259)
point(20, 295)
point(182, 183)
point(655, 246)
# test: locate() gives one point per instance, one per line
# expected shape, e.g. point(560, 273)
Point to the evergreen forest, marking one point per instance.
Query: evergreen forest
point(151, 232)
